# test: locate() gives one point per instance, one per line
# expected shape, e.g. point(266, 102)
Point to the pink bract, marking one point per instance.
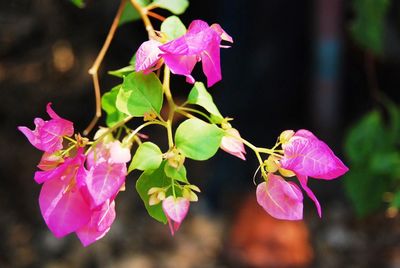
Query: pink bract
point(281, 199)
point(175, 210)
point(48, 135)
point(148, 57)
point(65, 171)
point(306, 155)
point(200, 43)
point(232, 145)
point(102, 182)
point(98, 225)
point(63, 207)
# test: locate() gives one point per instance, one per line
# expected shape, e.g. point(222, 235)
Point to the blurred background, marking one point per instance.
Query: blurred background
point(331, 66)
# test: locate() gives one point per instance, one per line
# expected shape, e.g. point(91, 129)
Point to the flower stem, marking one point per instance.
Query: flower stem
point(194, 111)
point(171, 104)
point(143, 13)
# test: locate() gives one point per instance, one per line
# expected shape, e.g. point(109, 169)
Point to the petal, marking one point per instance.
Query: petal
point(66, 171)
point(50, 161)
point(98, 225)
point(175, 210)
point(147, 55)
point(232, 145)
point(305, 154)
point(224, 36)
point(51, 112)
point(282, 200)
point(197, 26)
point(182, 65)
point(64, 210)
point(31, 136)
point(303, 182)
point(118, 153)
point(211, 62)
point(103, 181)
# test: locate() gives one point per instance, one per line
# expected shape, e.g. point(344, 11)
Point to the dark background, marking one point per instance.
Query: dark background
point(293, 65)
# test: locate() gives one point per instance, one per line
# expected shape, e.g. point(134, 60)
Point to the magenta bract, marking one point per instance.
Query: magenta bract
point(307, 156)
point(200, 43)
point(148, 57)
point(48, 135)
point(281, 199)
point(98, 225)
point(175, 210)
point(65, 171)
point(63, 206)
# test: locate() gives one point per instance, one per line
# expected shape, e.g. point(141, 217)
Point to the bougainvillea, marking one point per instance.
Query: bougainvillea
point(82, 178)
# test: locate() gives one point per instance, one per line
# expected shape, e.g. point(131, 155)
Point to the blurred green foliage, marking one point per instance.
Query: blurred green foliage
point(368, 26)
point(374, 158)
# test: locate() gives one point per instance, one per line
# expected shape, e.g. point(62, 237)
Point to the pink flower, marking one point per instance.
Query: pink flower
point(233, 145)
point(306, 155)
point(200, 43)
point(48, 135)
point(281, 199)
point(99, 224)
point(175, 209)
point(62, 204)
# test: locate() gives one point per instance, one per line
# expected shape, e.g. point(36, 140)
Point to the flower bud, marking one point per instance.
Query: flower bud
point(285, 136)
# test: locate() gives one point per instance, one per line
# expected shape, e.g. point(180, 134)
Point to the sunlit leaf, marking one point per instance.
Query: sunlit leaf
point(197, 139)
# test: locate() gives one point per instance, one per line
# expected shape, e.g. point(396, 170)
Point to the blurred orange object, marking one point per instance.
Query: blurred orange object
point(259, 240)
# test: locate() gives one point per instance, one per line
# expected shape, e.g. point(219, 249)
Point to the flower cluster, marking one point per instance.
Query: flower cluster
point(81, 179)
point(78, 191)
point(200, 43)
point(304, 155)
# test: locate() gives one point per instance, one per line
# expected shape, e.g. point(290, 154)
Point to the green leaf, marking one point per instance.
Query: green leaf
point(108, 102)
point(369, 23)
point(396, 200)
point(133, 60)
point(173, 27)
point(140, 94)
point(365, 190)
point(366, 138)
point(200, 96)
point(123, 71)
point(150, 179)
point(130, 13)
point(197, 139)
point(147, 156)
point(78, 3)
point(175, 6)
point(176, 174)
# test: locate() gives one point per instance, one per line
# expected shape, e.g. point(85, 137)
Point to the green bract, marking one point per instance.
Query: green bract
point(197, 139)
point(148, 156)
point(150, 179)
point(108, 104)
point(173, 27)
point(175, 6)
point(200, 96)
point(140, 94)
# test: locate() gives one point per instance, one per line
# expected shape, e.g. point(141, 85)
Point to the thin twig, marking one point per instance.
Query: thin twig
point(95, 67)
